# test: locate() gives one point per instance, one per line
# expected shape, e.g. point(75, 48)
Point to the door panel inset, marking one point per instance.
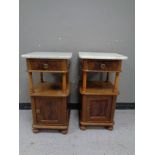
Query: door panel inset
point(48, 110)
point(99, 108)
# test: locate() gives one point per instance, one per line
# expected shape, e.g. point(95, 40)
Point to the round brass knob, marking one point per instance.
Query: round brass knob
point(45, 66)
point(102, 66)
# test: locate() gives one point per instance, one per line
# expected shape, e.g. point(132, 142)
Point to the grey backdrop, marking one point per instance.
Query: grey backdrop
point(78, 25)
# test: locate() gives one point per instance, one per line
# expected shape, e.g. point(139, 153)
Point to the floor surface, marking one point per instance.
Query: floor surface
point(120, 141)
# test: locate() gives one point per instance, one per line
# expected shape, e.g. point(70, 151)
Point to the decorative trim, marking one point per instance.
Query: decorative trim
point(123, 106)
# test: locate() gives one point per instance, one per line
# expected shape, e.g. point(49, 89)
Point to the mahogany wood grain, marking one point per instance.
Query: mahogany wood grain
point(97, 108)
point(99, 97)
point(47, 65)
point(102, 65)
point(48, 110)
point(33, 110)
point(113, 107)
point(49, 100)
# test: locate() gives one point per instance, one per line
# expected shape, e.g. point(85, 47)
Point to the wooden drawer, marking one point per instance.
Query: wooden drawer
point(47, 65)
point(102, 65)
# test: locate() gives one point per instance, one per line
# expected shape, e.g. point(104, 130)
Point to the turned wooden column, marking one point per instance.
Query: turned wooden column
point(30, 82)
point(84, 81)
point(116, 83)
point(64, 81)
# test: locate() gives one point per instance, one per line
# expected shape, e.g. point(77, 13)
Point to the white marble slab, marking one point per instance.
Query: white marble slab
point(101, 55)
point(48, 55)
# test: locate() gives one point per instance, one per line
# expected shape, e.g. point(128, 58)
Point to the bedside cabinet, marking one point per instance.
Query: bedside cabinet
point(49, 99)
point(99, 97)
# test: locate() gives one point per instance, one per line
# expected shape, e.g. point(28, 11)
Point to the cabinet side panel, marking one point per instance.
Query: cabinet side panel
point(64, 111)
point(84, 108)
point(33, 110)
point(114, 98)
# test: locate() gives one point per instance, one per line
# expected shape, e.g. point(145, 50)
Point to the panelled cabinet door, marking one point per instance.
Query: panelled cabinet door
point(50, 110)
point(98, 108)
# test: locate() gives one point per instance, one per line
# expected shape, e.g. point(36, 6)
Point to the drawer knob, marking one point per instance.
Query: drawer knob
point(45, 66)
point(102, 66)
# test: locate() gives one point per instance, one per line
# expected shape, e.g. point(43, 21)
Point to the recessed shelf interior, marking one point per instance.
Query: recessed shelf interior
point(51, 85)
point(99, 87)
point(49, 89)
point(98, 84)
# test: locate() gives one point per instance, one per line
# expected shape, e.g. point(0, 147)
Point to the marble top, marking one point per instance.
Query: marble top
point(48, 55)
point(101, 55)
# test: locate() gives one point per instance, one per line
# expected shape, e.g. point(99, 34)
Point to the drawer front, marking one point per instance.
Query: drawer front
point(47, 65)
point(103, 65)
point(98, 108)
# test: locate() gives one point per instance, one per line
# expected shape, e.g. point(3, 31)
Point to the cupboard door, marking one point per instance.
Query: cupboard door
point(99, 108)
point(49, 110)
